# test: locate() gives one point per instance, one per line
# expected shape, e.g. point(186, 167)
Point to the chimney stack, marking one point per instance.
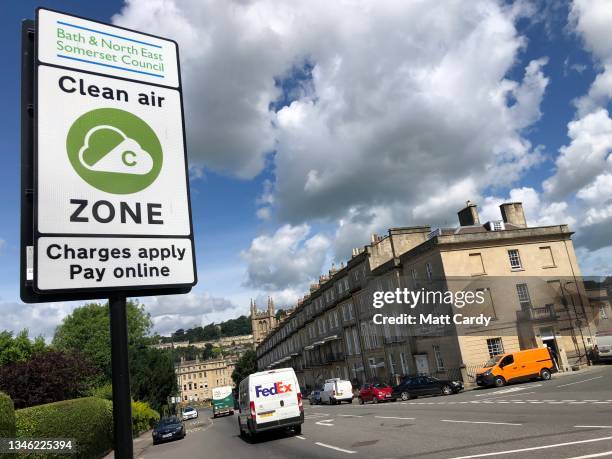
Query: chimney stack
point(468, 216)
point(512, 212)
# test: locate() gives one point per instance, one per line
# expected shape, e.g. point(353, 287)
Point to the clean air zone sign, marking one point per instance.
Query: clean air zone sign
point(111, 197)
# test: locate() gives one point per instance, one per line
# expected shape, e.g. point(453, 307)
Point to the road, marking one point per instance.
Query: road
point(567, 417)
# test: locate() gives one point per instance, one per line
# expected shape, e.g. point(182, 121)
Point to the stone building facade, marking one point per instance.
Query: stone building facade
point(529, 278)
point(197, 378)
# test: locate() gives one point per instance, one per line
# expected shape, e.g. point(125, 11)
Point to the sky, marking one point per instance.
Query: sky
point(311, 125)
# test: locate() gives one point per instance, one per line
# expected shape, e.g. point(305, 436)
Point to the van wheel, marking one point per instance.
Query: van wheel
point(446, 390)
point(499, 381)
point(360, 401)
point(298, 429)
point(405, 396)
point(545, 374)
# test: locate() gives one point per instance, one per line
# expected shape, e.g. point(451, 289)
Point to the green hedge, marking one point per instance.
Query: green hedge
point(7, 416)
point(87, 420)
point(143, 417)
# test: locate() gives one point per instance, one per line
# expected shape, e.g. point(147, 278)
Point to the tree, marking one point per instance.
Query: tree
point(152, 377)
point(87, 330)
point(18, 348)
point(48, 376)
point(246, 365)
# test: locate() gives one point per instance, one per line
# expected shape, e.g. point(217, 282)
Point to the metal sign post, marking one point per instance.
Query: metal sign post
point(122, 400)
point(105, 200)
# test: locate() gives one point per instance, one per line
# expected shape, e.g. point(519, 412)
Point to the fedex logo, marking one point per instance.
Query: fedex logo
point(277, 388)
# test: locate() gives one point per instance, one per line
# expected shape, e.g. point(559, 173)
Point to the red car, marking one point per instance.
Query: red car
point(376, 392)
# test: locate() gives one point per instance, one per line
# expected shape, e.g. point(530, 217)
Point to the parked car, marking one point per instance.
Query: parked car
point(376, 392)
point(336, 391)
point(603, 348)
point(190, 413)
point(270, 400)
point(425, 385)
point(517, 366)
point(168, 429)
point(315, 397)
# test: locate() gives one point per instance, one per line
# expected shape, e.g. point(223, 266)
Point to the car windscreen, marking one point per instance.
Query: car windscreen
point(493, 361)
point(380, 386)
point(168, 421)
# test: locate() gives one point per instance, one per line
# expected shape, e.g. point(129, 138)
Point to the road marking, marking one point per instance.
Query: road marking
point(300, 437)
point(351, 415)
point(482, 422)
point(579, 382)
point(595, 427)
point(325, 445)
point(509, 390)
point(324, 422)
point(605, 453)
point(533, 448)
point(393, 417)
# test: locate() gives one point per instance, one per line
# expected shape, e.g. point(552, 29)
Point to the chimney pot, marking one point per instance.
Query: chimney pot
point(512, 212)
point(468, 216)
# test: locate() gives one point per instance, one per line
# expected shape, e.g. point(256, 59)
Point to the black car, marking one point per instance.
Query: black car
point(425, 385)
point(168, 429)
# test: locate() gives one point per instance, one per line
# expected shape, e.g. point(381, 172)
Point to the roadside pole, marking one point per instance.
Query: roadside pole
point(122, 401)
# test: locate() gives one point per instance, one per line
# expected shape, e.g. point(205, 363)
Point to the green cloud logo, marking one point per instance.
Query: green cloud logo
point(114, 151)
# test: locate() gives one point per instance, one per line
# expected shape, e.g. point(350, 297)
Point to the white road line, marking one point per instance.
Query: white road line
point(351, 415)
point(300, 437)
point(324, 422)
point(393, 417)
point(324, 445)
point(482, 422)
point(534, 448)
point(605, 453)
point(578, 382)
point(595, 427)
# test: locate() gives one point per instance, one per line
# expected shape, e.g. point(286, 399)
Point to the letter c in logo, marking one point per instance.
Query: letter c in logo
point(124, 158)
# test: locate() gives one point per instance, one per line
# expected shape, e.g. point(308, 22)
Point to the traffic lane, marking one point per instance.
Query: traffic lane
point(377, 432)
point(220, 439)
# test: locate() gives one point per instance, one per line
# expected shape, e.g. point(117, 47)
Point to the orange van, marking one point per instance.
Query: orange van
point(517, 366)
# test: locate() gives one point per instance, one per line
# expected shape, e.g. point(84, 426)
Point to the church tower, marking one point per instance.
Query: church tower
point(263, 321)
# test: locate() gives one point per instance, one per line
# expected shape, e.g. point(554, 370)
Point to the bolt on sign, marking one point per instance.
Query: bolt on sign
point(110, 191)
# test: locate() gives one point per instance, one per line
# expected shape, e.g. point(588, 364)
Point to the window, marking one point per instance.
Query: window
point(348, 339)
point(415, 278)
point(356, 341)
point(602, 311)
point(547, 257)
point(515, 259)
point(523, 296)
point(403, 363)
point(495, 347)
point(438, 356)
point(476, 266)
point(508, 360)
point(391, 364)
point(429, 271)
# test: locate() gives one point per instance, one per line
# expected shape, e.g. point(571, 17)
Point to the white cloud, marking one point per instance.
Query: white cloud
point(39, 319)
point(171, 312)
point(286, 259)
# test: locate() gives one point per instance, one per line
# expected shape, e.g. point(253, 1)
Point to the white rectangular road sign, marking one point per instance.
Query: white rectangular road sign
point(112, 200)
point(111, 262)
point(87, 45)
point(72, 127)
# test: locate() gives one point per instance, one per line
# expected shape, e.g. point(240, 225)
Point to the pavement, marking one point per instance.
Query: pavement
point(567, 417)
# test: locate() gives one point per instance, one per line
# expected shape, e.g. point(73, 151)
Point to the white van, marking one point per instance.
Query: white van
point(336, 391)
point(270, 400)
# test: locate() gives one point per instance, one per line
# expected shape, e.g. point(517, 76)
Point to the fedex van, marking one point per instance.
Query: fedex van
point(517, 366)
point(270, 400)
